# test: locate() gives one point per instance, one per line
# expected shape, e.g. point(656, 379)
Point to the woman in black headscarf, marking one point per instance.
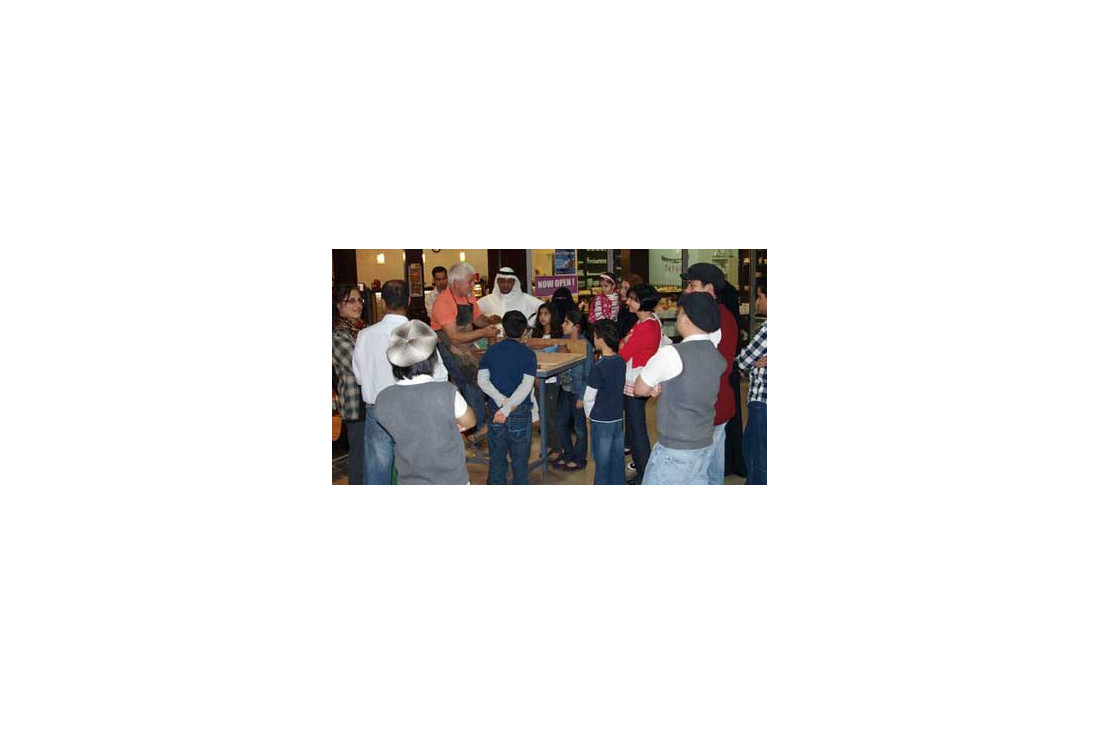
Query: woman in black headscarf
point(561, 303)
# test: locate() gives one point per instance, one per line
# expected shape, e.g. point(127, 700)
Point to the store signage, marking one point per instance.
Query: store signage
point(565, 261)
point(665, 267)
point(546, 285)
point(591, 264)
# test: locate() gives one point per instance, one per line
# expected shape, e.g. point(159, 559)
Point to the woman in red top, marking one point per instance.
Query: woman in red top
point(637, 347)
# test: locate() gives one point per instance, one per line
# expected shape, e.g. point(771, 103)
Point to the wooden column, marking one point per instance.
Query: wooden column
point(637, 262)
point(414, 258)
point(343, 266)
point(752, 293)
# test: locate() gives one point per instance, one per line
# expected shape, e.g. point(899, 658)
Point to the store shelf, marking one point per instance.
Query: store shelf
point(752, 266)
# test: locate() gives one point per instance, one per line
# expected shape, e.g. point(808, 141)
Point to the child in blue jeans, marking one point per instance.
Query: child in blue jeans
point(571, 399)
point(506, 374)
point(603, 404)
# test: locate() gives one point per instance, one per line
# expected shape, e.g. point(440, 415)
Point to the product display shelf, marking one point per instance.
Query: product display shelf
point(752, 266)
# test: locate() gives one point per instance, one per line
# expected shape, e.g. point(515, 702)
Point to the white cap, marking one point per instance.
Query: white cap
point(412, 342)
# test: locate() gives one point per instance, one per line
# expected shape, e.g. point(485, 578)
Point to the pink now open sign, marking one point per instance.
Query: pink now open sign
point(546, 285)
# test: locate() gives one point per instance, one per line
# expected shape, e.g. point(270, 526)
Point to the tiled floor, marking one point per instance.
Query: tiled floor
point(479, 473)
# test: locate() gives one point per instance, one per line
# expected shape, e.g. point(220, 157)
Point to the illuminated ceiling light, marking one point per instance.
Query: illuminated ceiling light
point(462, 256)
point(381, 259)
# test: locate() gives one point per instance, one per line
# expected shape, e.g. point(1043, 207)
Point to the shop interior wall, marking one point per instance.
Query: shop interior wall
point(665, 267)
point(369, 268)
point(542, 261)
point(479, 259)
point(724, 258)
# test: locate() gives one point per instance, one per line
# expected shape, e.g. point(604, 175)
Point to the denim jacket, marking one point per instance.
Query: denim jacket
point(575, 379)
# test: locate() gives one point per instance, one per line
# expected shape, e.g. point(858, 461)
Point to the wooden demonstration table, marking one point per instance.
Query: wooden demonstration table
point(547, 364)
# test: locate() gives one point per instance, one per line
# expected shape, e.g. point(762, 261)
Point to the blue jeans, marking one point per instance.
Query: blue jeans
point(512, 437)
point(716, 471)
point(607, 453)
point(677, 466)
point(568, 413)
point(756, 444)
point(378, 452)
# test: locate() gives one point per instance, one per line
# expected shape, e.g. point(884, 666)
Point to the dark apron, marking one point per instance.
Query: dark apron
point(460, 360)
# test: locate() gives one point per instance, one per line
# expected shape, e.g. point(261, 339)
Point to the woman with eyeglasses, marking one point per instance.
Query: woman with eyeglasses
point(347, 313)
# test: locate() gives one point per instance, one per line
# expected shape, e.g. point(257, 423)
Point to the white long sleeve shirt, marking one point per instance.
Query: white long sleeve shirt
point(589, 400)
point(460, 402)
point(666, 363)
point(369, 362)
point(527, 383)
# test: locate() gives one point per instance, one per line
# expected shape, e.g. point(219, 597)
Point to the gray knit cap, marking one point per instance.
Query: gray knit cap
point(412, 342)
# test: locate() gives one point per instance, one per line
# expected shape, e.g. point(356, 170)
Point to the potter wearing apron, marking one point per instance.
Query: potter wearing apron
point(459, 323)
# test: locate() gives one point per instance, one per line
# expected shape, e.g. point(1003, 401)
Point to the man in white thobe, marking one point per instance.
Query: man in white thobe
point(508, 296)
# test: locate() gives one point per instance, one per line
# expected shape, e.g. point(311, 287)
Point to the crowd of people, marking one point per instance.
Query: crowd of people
point(411, 394)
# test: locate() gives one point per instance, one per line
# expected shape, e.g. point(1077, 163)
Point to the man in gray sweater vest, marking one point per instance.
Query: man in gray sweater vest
point(686, 376)
point(422, 415)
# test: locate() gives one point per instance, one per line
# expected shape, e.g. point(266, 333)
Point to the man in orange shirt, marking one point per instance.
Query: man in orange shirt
point(459, 323)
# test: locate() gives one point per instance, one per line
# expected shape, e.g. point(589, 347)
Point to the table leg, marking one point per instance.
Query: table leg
point(542, 429)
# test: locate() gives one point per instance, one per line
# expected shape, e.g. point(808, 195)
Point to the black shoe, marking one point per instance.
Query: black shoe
point(632, 467)
point(636, 481)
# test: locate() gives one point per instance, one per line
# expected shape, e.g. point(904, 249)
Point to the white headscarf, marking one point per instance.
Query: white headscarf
point(516, 300)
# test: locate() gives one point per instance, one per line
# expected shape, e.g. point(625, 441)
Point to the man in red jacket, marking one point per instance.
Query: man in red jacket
point(709, 279)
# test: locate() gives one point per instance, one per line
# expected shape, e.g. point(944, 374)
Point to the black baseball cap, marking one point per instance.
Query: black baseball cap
point(707, 273)
point(702, 310)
